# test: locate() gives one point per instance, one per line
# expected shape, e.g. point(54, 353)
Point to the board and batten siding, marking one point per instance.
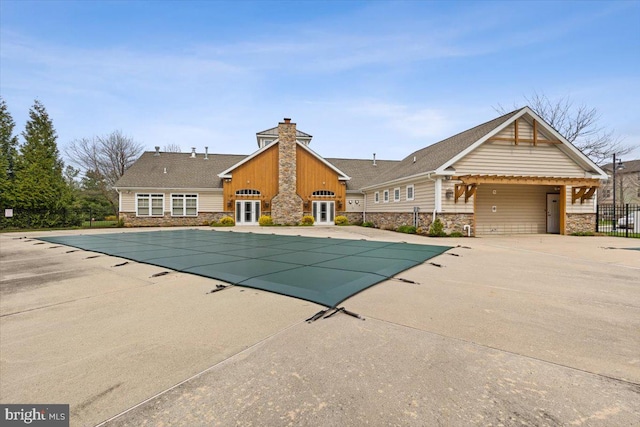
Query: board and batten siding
point(506, 159)
point(518, 208)
point(423, 190)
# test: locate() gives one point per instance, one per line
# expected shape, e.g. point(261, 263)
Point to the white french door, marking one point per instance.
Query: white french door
point(323, 212)
point(247, 212)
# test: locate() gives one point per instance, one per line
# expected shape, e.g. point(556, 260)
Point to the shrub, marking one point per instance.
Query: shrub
point(408, 229)
point(265, 220)
point(583, 233)
point(419, 230)
point(342, 220)
point(110, 218)
point(307, 220)
point(120, 222)
point(456, 234)
point(225, 221)
point(437, 229)
point(368, 224)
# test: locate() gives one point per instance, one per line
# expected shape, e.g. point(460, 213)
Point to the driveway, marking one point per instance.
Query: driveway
point(537, 330)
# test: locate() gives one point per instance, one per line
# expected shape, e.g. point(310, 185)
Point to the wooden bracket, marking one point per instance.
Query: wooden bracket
point(467, 189)
point(582, 193)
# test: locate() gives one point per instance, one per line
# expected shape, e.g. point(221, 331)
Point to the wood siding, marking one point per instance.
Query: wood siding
point(313, 175)
point(505, 158)
point(259, 173)
point(519, 209)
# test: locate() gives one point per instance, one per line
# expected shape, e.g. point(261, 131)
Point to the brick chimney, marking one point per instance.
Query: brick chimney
point(286, 206)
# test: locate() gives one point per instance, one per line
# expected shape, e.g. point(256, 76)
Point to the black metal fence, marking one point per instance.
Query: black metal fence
point(62, 218)
point(618, 220)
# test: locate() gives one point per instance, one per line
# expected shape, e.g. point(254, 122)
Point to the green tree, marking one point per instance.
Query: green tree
point(8, 155)
point(39, 179)
point(92, 196)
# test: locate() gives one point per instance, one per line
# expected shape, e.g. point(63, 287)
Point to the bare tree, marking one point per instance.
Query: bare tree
point(172, 148)
point(107, 157)
point(579, 124)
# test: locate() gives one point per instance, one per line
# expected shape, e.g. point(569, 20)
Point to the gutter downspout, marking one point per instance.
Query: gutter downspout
point(438, 183)
point(364, 207)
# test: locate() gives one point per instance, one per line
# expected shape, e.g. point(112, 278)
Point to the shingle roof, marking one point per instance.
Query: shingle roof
point(432, 157)
point(182, 171)
point(274, 132)
point(630, 166)
point(362, 172)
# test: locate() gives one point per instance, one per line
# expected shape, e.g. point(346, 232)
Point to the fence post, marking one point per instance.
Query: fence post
point(597, 217)
point(626, 216)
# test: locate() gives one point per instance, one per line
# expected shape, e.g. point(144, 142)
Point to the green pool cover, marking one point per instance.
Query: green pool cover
point(322, 270)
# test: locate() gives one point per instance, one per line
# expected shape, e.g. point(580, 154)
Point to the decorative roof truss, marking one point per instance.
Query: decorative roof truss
point(583, 193)
point(517, 139)
point(467, 189)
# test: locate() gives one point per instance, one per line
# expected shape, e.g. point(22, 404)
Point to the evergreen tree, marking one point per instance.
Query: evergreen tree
point(8, 154)
point(40, 183)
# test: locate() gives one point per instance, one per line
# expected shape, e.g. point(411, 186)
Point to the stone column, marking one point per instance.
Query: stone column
point(286, 206)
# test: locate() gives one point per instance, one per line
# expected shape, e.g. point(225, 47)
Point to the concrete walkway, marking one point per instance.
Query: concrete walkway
point(532, 330)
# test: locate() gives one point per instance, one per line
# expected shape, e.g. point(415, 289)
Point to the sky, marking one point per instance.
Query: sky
point(362, 77)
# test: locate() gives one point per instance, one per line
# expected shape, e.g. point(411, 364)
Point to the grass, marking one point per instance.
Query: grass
point(99, 224)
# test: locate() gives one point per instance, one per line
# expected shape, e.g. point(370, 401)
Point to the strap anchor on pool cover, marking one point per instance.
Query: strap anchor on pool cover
point(345, 311)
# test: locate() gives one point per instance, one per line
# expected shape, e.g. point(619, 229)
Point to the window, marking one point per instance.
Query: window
point(409, 192)
point(396, 194)
point(184, 205)
point(607, 193)
point(248, 192)
point(323, 193)
point(376, 197)
point(150, 204)
point(386, 196)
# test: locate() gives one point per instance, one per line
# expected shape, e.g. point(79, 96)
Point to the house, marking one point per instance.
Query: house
point(627, 183)
point(513, 174)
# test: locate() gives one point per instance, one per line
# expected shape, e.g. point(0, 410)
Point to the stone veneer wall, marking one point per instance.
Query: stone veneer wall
point(580, 223)
point(392, 220)
point(204, 218)
point(286, 206)
point(456, 222)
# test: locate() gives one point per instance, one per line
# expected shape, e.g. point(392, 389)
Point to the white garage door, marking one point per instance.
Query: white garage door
point(511, 209)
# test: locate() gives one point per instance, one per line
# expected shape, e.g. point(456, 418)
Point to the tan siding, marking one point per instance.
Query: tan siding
point(587, 207)
point(355, 202)
point(210, 202)
point(259, 173)
point(128, 201)
point(423, 197)
point(504, 158)
point(519, 209)
point(313, 175)
point(449, 205)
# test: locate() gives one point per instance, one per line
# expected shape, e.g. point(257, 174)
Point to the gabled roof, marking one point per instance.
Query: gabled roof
point(362, 171)
point(430, 158)
point(630, 166)
point(441, 156)
point(274, 132)
point(227, 172)
point(182, 171)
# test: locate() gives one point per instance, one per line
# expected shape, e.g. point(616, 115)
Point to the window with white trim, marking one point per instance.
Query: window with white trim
point(410, 191)
point(386, 196)
point(184, 205)
point(396, 194)
point(149, 204)
point(376, 197)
